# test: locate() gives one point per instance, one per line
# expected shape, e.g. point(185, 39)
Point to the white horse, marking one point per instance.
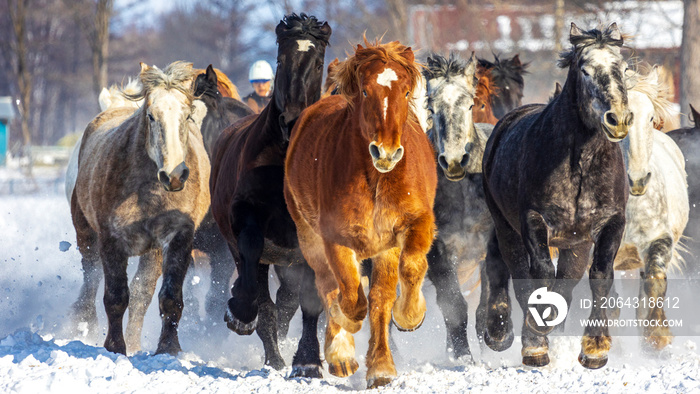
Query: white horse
point(114, 97)
point(658, 208)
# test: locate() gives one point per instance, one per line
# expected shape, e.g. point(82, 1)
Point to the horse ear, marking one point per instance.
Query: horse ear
point(211, 75)
point(516, 60)
point(326, 29)
point(696, 116)
point(575, 31)
point(615, 33)
point(105, 99)
point(470, 70)
point(144, 66)
point(557, 88)
point(408, 54)
point(654, 75)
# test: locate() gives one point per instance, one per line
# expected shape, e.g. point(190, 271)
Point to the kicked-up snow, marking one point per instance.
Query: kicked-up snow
point(40, 277)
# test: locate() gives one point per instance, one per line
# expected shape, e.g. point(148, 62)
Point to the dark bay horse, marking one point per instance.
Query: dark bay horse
point(142, 189)
point(506, 76)
point(223, 83)
point(554, 176)
point(463, 221)
point(247, 195)
point(360, 182)
point(688, 139)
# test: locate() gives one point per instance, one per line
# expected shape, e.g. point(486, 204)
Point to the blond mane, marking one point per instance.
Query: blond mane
point(177, 75)
point(347, 73)
point(656, 90)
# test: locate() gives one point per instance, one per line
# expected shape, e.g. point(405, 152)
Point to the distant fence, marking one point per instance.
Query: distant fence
point(25, 186)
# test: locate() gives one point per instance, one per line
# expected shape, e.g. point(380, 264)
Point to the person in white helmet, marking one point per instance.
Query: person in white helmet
point(260, 76)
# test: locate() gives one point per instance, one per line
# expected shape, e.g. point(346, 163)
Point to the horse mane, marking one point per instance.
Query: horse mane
point(294, 26)
point(347, 74)
point(593, 37)
point(484, 87)
point(507, 69)
point(657, 91)
point(177, 75)
point(441, 67)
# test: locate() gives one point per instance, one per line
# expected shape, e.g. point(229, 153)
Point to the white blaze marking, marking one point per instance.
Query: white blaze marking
point(386, 77)
point(304, 45)
point(386, 106)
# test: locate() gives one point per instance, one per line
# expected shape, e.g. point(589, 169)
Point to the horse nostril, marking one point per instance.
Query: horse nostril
point(442, 161)
point(163, 178)
point(465, 160)
point(374, 151)
point(398, 154)
point(629, 119)
point(611, 118)
point(185, 175)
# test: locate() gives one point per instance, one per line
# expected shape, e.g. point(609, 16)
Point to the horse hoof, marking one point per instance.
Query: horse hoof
point(499, 345)
point(343, 369)
point(306, 371)
point(276, 363)
point(398, 326)
point(238, 326)
point(172, 350)
point(379, 381)
point(536, 360)
point(592, 362)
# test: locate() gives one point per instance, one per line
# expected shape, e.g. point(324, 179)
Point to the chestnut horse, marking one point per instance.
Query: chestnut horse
point(354, 194)
point(482, 112)
point(141, 190)
point(506, 76)
point(248, 202)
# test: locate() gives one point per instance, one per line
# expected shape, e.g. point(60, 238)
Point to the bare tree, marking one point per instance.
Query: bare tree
point(17, 10)
point(690, 57)
point(93, 17)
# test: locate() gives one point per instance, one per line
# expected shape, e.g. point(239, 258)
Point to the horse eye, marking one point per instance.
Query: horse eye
point(471, 106)
point(652, 119)
point(151, 118)
point(584, 72)
point(407, 93)
point(483, 106)
point(364, 93)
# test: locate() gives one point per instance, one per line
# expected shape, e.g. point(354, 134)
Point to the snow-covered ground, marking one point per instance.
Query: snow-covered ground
point(38, 283)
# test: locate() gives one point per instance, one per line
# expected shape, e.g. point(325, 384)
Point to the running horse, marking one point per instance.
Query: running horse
point(141, 189)
point(482, 111)
point(554, 177)
point(360, 179)
point(506, 78)
point(248, 201)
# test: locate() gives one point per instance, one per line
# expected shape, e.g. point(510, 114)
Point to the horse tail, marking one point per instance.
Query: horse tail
point(678, 263)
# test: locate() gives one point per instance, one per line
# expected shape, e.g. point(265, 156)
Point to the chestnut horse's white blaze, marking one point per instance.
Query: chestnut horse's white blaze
point(304, 45)
point(387, 77)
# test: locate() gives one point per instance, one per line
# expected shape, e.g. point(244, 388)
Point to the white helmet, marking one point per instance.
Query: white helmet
point(260, 71)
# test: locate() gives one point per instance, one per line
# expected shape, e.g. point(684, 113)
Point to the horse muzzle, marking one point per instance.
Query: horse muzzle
point(639, 186)
point(383, 160)
point(616, 126)
point(175, 181)
point(454, 171)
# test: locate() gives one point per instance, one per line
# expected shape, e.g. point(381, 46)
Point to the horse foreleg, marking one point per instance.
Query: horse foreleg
point(241, 316)
point(442, 272)
point(116, 297)
point(382, 294)
point(142, 287)
point(542, 272)
point(654, 283)
point(408, 312)
point(287, 298)
point(596, 340)
point(267, 316)
point(493, 323)
point(307, 359)
point(176, 261)
point(349, 308)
